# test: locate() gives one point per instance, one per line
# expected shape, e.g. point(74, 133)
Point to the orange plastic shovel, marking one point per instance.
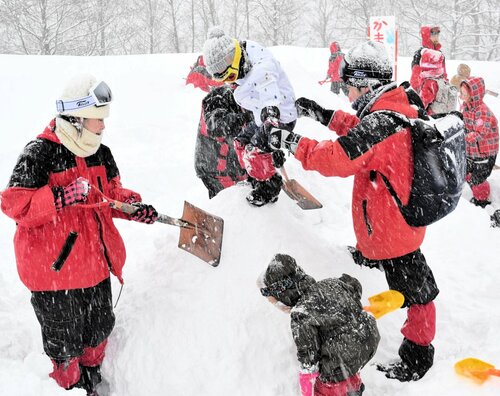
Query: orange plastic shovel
point(385, 302)
point(476, 369)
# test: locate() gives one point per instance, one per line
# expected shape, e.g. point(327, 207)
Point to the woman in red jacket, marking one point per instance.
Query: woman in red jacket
point(336, 57)
point(66, 244)
point(481, 139)
point(372, 145)
point(430, 39)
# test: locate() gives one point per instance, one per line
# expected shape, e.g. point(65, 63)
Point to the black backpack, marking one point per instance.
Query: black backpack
point(439, 167)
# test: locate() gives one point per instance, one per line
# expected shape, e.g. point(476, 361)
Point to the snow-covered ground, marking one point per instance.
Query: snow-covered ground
point(185, 328)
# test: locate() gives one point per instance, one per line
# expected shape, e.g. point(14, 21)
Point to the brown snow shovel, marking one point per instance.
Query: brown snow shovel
point(201, 232)
point(294, 190)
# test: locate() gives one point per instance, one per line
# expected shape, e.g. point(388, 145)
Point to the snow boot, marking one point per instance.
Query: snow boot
point(266, 191)
point(359, 392)
point(90, 377)
point(415, 361)
point(480, 202)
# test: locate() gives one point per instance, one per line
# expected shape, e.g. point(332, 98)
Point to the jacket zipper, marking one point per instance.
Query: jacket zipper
point(99, 226)
point(365, 215)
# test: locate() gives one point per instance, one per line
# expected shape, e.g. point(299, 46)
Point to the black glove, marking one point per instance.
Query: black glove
point(309, 108)
point(278, 158)
point(144, 214)
point(270, 115)
point(362, 260)
point(247, 116)
point(283, 139)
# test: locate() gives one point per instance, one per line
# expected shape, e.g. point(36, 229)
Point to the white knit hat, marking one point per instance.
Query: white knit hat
point(79, 87)
point(218, 50)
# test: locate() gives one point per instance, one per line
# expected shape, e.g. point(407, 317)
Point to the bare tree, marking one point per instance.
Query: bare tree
point(469, 28)
point(323, 21)
point(149, 20)
point(42, 26)
point(278, 20)
point(172, 27)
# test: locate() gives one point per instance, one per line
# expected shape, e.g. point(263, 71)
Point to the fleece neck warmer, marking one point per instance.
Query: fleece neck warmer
point(82, 144)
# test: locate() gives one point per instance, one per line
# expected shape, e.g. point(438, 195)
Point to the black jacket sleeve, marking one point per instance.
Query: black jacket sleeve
point(222, 114)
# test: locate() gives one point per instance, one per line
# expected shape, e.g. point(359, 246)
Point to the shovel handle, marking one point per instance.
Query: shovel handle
point(131, 209)
point(283, 172)
point(494, 372)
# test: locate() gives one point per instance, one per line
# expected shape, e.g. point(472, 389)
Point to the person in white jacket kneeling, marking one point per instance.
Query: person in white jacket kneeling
point(263, 88)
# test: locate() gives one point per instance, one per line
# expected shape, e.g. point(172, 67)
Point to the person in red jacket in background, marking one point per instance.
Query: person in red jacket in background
point(66, 244)
point(200, 77)
point(481, 139)
point(371, 145)
point(430, 39)
point(336, 57)
point(432, 81)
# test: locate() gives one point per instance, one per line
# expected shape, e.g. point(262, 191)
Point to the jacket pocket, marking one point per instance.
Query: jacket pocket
point(65, 251)
point(367, 220)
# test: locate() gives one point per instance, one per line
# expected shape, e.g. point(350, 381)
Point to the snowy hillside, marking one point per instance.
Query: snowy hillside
point(185, 328)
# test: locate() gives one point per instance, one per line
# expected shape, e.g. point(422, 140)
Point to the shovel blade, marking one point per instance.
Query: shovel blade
point(304, 199)
point(474, 368)
point(385, 302)
point(205, 239)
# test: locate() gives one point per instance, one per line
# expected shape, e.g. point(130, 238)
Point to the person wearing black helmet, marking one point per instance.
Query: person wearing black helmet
point(373, 146)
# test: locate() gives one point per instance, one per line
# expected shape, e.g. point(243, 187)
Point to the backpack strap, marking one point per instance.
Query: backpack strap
point(406, 122)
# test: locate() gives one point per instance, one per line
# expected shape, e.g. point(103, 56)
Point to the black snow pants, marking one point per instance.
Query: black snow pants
point(72, 320)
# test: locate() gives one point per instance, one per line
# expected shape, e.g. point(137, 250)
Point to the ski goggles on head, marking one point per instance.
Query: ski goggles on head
point(275, 289)
point(99, 95)
point(435, 31)
point(347, 72)
point(230, 74)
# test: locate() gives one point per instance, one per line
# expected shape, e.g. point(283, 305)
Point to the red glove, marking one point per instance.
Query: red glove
point(307, 381)
point(144, 214)
point(73, 193)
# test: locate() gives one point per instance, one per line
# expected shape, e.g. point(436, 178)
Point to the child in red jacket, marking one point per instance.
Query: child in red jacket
point(430, 39)
point(436, 93)
point(481, 139)
point(334, 62)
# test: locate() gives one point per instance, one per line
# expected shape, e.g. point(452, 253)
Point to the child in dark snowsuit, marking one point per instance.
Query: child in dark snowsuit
point(335, 338)
point(216, 161)
point(333, 69)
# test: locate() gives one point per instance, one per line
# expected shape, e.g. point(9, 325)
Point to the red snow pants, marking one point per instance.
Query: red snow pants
point(341, 388)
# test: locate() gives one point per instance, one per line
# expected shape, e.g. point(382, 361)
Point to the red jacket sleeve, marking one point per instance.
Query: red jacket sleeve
point(329, 158)
point(342, 122)
point(29, 207)
point(333, 70)
point(428, 92)
point(123, 195)
point(415, 77)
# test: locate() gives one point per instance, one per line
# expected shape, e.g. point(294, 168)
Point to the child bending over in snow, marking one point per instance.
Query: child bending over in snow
point(335, 338)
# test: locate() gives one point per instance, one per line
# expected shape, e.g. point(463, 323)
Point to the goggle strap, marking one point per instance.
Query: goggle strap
point(70, 105)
